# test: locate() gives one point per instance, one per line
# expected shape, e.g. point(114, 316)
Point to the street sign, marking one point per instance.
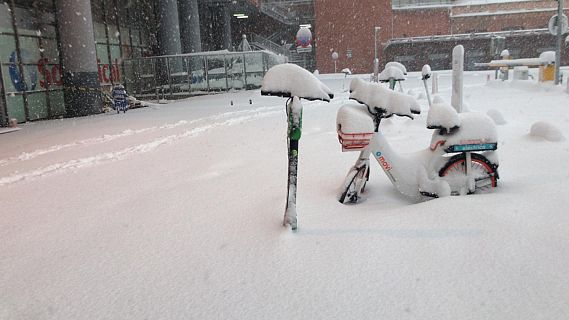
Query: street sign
point(552, 25)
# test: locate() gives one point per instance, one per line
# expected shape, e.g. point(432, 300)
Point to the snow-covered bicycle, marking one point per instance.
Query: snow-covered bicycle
point(461, 158)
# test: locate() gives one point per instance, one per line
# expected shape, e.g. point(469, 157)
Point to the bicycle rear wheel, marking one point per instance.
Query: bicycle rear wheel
point(483, 174)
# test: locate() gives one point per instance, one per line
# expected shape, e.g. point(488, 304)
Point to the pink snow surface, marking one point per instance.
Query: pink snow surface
point(175, 212)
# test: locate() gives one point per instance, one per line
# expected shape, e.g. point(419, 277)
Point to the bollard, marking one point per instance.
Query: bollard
point(435, 83)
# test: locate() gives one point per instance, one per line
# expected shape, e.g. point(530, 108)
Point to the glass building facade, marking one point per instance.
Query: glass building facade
point(60, 58)
point(32, 85)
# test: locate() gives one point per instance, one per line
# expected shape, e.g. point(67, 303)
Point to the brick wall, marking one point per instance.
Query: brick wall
point(423, 22)
point(349, 25)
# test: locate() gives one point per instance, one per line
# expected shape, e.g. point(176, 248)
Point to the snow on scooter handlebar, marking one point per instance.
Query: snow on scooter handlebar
point(290, 80)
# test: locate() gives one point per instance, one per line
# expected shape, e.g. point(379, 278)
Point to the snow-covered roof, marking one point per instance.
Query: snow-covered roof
point(442, 3)
point(461, 36)
point(287, 80)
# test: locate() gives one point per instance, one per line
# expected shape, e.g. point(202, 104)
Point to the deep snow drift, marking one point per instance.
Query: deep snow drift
point(175, 212)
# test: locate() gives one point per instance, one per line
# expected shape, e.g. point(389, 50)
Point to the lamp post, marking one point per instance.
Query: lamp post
point(560, 31)
point(375, 58)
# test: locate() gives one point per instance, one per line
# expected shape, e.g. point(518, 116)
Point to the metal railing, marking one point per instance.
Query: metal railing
point(184, 75)
point(285, 12)
point(269, 45)
point(412, 3)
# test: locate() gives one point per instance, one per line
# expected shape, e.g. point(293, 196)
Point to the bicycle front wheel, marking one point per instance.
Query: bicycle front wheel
point(483, 174)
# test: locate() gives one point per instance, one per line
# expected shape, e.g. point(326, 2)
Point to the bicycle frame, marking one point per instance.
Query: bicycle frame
point(402, 170)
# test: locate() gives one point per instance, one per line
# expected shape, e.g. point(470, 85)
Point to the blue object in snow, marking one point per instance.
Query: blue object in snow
point(120, 98)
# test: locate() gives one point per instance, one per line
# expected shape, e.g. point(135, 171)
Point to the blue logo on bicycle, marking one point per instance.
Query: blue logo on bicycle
point(378, 154)
point(31, 74)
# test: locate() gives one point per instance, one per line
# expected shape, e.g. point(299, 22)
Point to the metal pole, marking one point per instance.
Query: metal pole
point(375, 42)
point(375, 59)
point(3, 104)
point(559, 41)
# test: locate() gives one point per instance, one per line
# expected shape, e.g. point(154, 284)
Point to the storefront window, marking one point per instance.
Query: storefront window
point(31, 73)
point(30, 66)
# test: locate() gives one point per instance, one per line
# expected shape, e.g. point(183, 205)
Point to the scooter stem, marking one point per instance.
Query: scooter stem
point(427, 91)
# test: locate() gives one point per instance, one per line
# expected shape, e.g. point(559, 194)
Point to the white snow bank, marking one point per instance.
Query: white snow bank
point(354, 118)
point(474, 128)
point(442, 115)
point(496, 116)
point(288, 79)
point(546, 131)
point(378, 96)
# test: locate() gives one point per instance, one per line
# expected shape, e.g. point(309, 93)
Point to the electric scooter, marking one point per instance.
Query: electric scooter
point(295, 83)
point(461, 158)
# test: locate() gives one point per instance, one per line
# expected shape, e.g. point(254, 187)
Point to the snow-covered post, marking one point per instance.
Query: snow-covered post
point(435, 83)
point(346, 72)
point(559, 40)
point(375, 70)
point(335, 57)
point(293, 82)
point(457, 77)
point(426, 74)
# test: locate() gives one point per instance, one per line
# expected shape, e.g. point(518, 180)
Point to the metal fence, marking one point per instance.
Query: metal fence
point(184, 75)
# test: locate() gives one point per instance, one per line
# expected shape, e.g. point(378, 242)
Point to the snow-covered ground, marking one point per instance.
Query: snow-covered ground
point(174, 212)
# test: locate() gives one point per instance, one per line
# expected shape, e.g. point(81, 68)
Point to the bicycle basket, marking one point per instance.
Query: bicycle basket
point(354, 141)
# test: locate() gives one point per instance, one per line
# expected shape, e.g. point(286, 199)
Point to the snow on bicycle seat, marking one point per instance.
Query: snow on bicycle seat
point(444, 117)
point(477, 132)
point(378, 96)
point(290, 80)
